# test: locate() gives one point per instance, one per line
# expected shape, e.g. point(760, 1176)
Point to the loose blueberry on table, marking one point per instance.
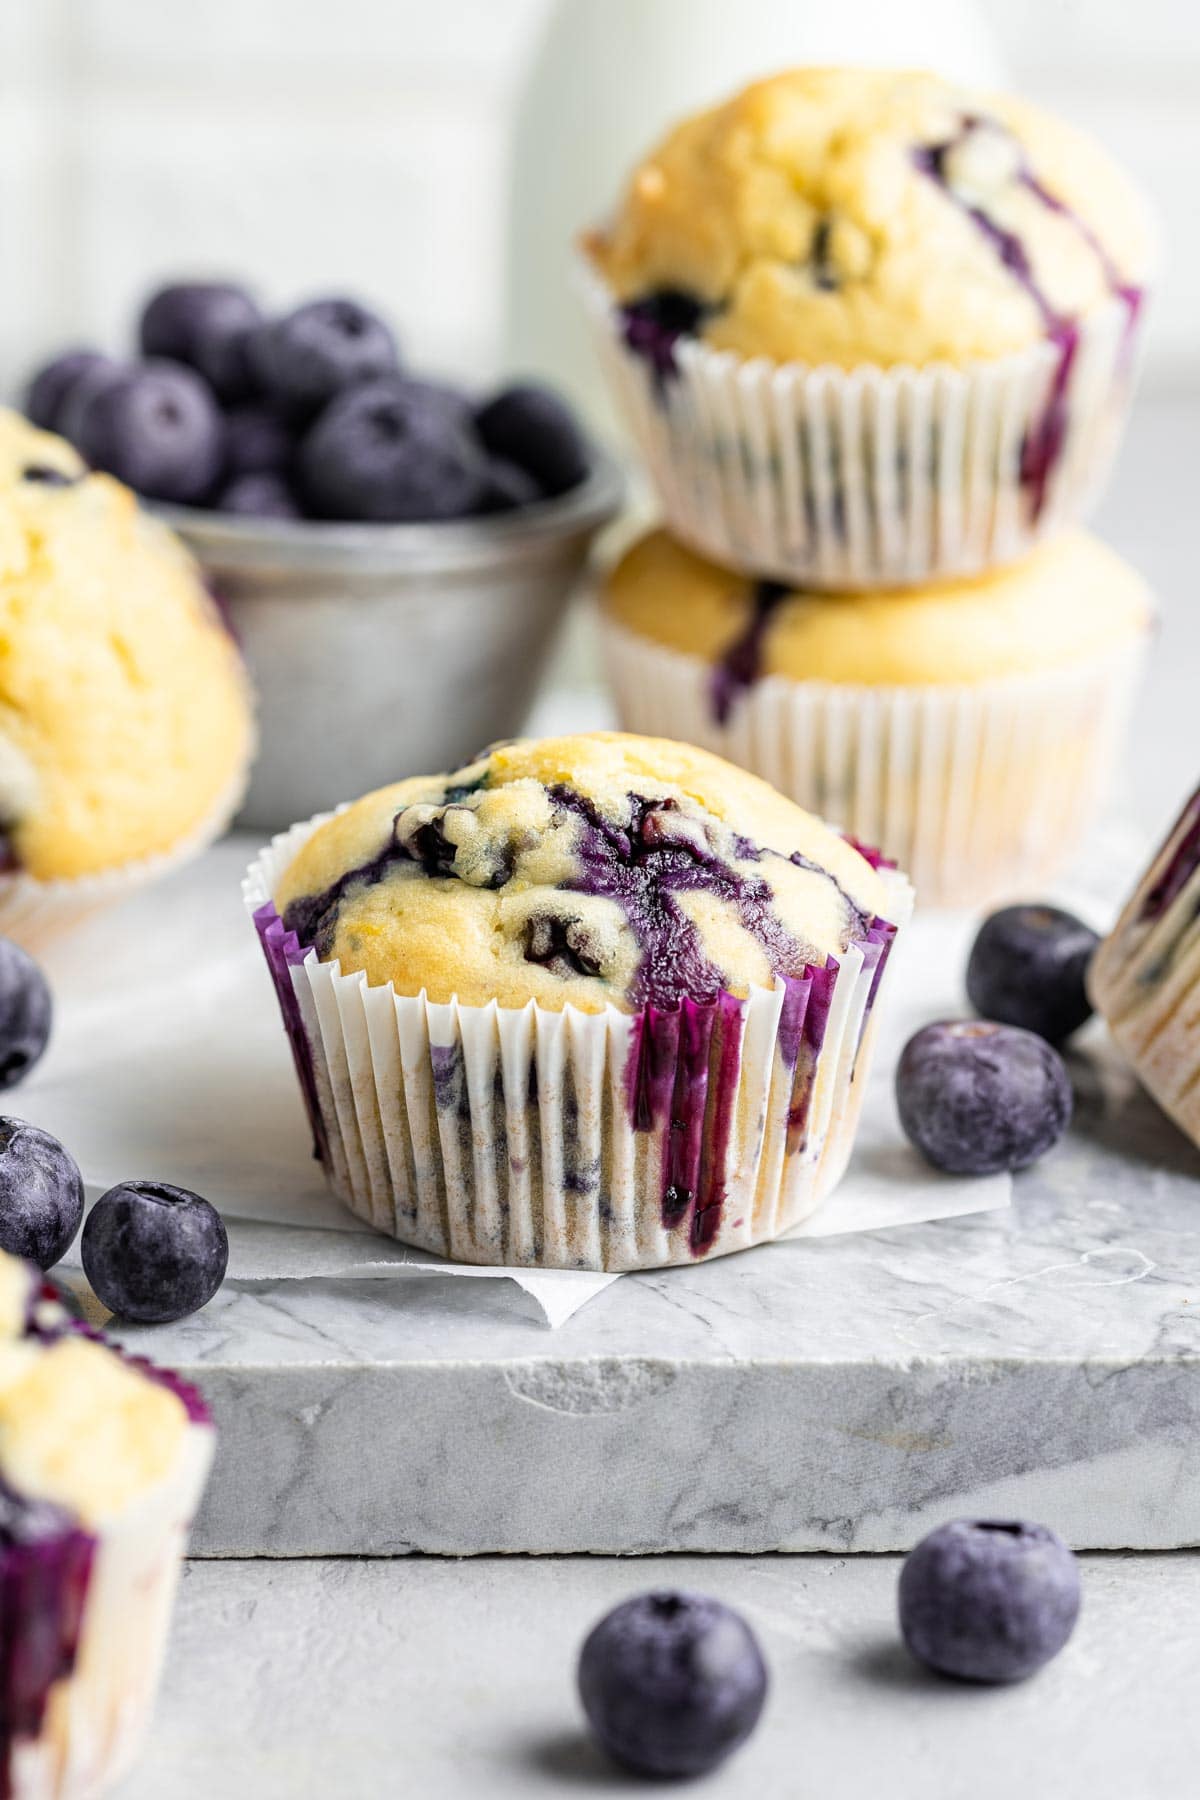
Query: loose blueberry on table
point(41, 1194)
point(154, 1253)
point(307, 414)
point(26, 1011)
point(988, 1600)
point(977, 1098)
point(672, 1682)
point(1028, 966)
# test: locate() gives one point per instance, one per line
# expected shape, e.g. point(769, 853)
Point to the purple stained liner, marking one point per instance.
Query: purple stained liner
point(710, 1198)
point(1181, 864)
point(877, 947)
point(284, 952)
point(683, 1071)
point(1043, 447)
point(875, 858)
point(822, 981)
point(46, 1562)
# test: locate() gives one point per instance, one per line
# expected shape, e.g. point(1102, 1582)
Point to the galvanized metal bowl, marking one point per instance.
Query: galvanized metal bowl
point(387, 650)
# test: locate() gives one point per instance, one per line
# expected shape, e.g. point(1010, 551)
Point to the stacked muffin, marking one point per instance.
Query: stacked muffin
point(874, 337)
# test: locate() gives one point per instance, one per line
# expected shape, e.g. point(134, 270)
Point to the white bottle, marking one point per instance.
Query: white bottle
point(609, 76)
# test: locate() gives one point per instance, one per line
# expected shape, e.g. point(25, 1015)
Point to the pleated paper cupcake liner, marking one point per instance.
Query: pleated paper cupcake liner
point(980, 792)
point(34, 913)
point(577, 1140)
point(1145, 977)
point(97, 1713)
point(871, 477)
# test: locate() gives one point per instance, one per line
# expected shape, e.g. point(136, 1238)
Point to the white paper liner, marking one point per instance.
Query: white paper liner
point(33, 913)
point(1145, 977)
point(871, 477)
point(427, 1129)
point(981, 792)
point(97, 1716)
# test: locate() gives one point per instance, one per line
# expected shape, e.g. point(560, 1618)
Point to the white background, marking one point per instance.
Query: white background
point(364, 144)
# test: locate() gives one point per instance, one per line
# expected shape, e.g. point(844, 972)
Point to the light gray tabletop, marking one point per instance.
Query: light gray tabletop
point(449, 1679)
point(443, 1680)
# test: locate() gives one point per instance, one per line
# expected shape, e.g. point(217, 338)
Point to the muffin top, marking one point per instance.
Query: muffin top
point(124, 709)
point(584, 871)
point(1072, 600)
point(851, 216)
point(81, 1427)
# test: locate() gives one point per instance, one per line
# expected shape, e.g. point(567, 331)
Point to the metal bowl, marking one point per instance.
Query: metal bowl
point(387, 650)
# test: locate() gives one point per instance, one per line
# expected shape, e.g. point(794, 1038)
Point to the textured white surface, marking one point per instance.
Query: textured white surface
point(449, 1681)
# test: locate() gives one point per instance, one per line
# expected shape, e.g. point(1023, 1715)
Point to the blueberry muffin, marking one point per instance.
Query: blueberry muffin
point(1145, 977)
point(125, 720)
point(924, 720)
point(781, 269)
point(102, 1461)
point(596, 1001)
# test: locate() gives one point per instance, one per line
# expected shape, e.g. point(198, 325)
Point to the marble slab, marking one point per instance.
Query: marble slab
point(837, 1393)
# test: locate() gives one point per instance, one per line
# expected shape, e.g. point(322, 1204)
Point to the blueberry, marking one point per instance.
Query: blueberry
point(976, 1098)
point(509, 486)
point(672, 1682)
point(153, 1252)
point(96, 378)
point(41, 1194)
point(303, 359)
point(256, 441)
point(25, 1013)
point(48, 389)
point(1027, 968)
point(258, 495)
point(388, 451)
point(157, 429)
point(988, 1600)
point(533, 428)
point(45, 475)
point(206, 324)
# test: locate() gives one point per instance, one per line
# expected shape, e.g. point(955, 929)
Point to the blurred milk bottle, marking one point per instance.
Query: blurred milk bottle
point(606, 79)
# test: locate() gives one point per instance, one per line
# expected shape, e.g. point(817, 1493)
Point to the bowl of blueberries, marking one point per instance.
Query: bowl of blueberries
point(394, 554)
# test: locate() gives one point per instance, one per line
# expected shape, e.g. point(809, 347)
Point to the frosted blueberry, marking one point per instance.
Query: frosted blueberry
point(672, 1682)
point(1027, 968)
point(154, 1252)
point(977, 1098)
point(988, 1600)
point(41, 1194)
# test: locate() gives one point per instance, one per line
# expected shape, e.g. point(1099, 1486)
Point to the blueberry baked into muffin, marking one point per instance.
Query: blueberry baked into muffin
point(1145, 977)
point(125, 719)
point(102, 1462)
point(596, 1001)
point(924, 720)
point(869, 326)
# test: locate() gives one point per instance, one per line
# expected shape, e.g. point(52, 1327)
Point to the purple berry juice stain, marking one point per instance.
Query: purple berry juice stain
point(45, 1566)
point(1043, 447)
point(741, 663)
point(284, 951)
